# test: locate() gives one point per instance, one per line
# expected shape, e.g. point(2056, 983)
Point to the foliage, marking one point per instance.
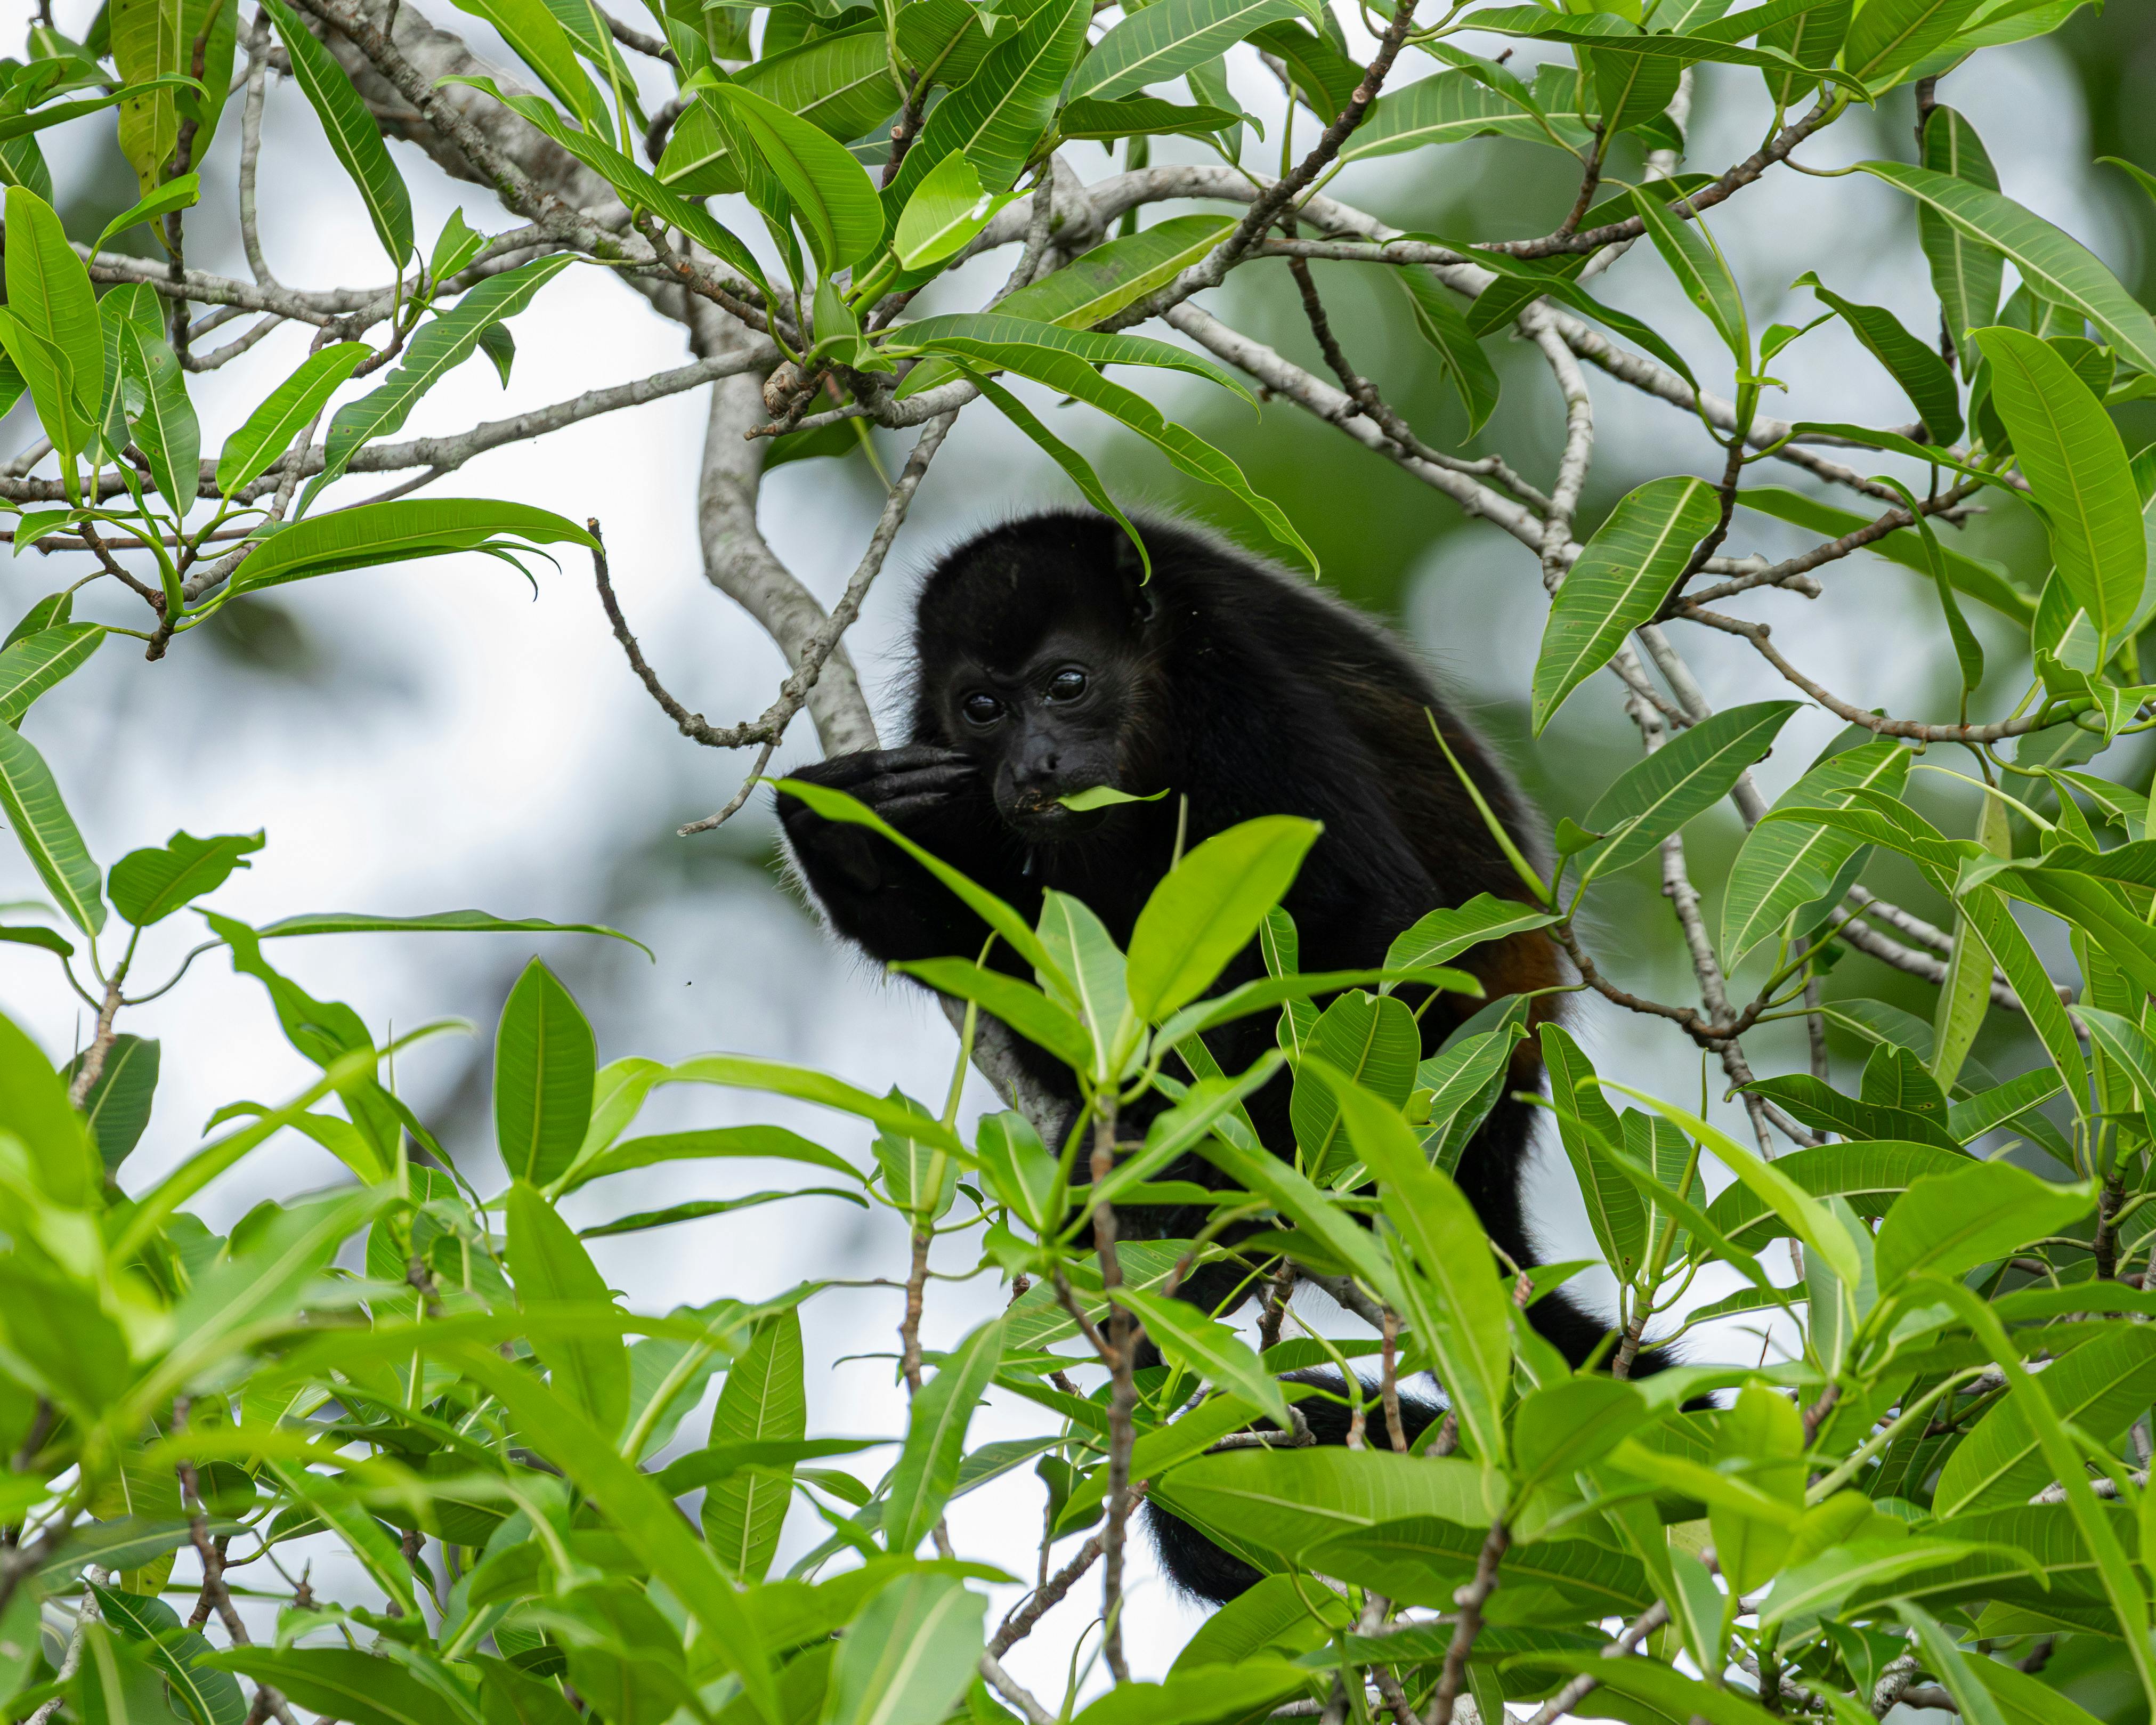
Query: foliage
point(1938, 1491)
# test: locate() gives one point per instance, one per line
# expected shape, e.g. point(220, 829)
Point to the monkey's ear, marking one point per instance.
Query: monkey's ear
point(1130, 571)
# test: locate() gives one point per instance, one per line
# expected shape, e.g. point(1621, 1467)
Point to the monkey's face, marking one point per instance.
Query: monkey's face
point(1042, 728)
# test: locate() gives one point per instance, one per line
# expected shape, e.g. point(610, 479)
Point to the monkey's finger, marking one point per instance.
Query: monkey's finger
point(902, 810)
point(843, 771)
point(879, 794)
point(914, 755)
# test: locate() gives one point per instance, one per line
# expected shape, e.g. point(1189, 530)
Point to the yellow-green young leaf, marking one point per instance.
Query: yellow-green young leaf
point(738, 1071)
point(1965, 995)
point(1292, 1501)
point(948, 209)
point(1168, 38)
point(209, 1696)
point(544, 1065)
point(1371, 1040)
point(51, 382)
point(34, 663)
point(1000, 113)
point(2070, 454)
point(552, 1269)
point(1209, 907)
point(1024, 1008)
point(834, 199)
point(909, 1654)
point(1950, 1223)
point(1247, 1689)
point(1965, 271)
point(34, 1108)
point(1086, 953)
point(1660, 1692)
point(1455, 1303)
point(1761, 1441)
point(1624, 573)
point(927, 1470)
point(147, 43)
point(181, 193)
point(287, 409)
point(49, 292)
point(352, 132)
point(2051, 263)
point(30, 800)
point(764, 1400)
point(398, 532)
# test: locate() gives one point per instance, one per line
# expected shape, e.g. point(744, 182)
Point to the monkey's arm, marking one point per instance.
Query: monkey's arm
point(874, 894)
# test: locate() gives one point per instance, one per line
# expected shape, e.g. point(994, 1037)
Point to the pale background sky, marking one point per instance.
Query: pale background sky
point(459, 742)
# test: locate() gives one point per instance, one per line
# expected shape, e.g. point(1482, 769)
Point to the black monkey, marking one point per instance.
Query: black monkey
point(1045, 663)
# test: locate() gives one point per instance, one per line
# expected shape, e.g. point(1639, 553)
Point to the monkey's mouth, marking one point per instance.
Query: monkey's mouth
point(1038, 816)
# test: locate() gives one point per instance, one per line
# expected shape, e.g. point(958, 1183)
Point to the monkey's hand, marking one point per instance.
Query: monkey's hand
point(872, 892)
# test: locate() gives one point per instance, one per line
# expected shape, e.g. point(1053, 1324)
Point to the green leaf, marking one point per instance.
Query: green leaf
point(774, 1141)
point(148, 886)
point(1450, 931)
point(1019, 1005)
point(288, 410)
point(1455, 1303)
point(1631, 89)
point(1950, 1223)
point(1139, 116)
point(1988, 913)
point(1623, 575)
point(1818, 1104)
point(1607, 33)
point(927, 1470)
point(1447, 109)
point(1889, 38)
point(352, 133)
point(1422, 1559)
point(834, 199)
point(909, 1654)
point(1869, 1177)
point(34, 663)
point(2070, 452)
point(946, 210)
point(996, 339)
point(1168, 38)
point(437, 922)
point(1100, 283)
point(1965, 271)
point(1593, 1141)
point(639, 1512)
point(640, 1221)
point(544, 1063)
point(2102, 1387)
point(209, 1696)
point(1209, 907)
point(763, 1401)
point(1291, 1501)
point(1915, 365)
point(398, 532)
point(1206, 1349)
point(30, 800)
point(442, 343)
point(1444, 326)
point(1075, 467)
point(1686, 777)
point(341, 1683)
point(551, 1268)
point(1000, 113)
point(49, 293)
point(1659, 1692)
point(1465, 1082)
point(739, 1071)
point(181, 192)
point(1371, 1040)
point(538, 39)
point(165, 427)
point(1696, 263)
point(1783, 867)
point(1208, 1694)
point(117, 1108)
point(2050, 262)
point(1808, 1218)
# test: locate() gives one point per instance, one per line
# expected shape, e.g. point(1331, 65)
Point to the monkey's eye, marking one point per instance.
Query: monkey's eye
point(1066, 685)
point(983, 709)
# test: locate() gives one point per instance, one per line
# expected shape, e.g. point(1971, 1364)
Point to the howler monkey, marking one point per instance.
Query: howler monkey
point(1046, 663)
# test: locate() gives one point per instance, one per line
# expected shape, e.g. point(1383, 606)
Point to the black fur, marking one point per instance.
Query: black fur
point(1245, 691)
